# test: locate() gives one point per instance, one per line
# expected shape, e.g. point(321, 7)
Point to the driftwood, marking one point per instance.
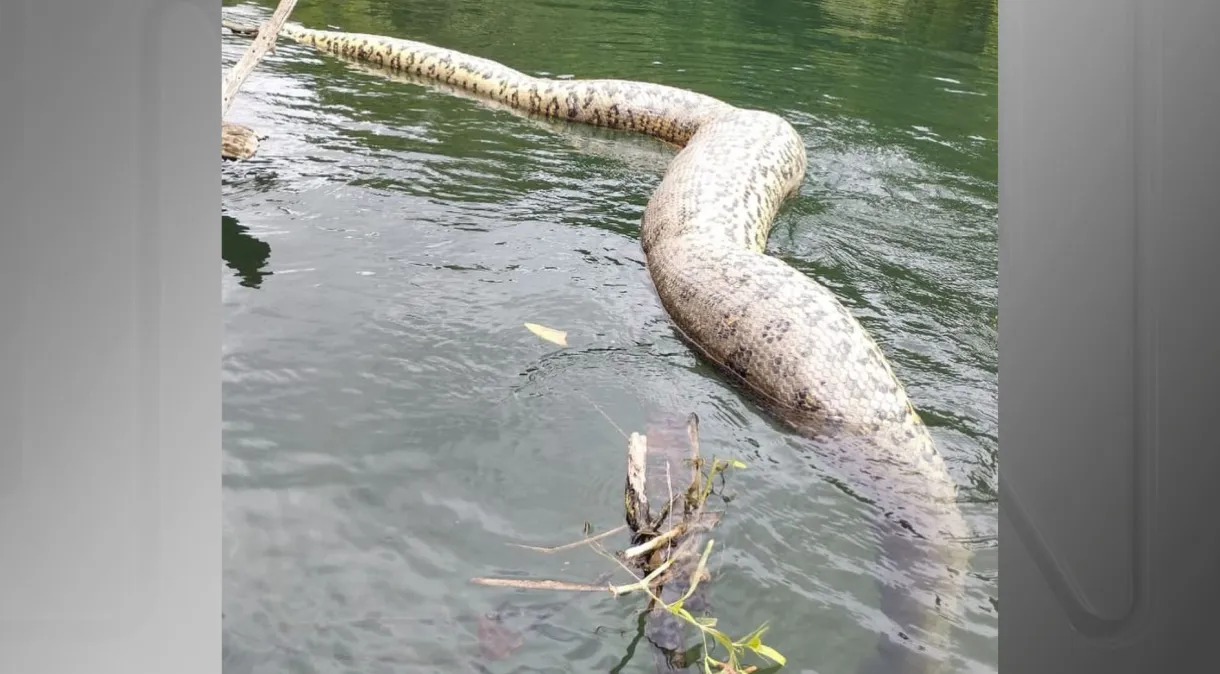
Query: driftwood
point(667, 553)
point(237, 141)
point(524, 584)
point(659, 542)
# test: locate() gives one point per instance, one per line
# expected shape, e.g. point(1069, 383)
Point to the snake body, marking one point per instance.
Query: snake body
point(777, 332)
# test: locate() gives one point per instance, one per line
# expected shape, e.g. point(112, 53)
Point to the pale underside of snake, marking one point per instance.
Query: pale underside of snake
point(774, 331)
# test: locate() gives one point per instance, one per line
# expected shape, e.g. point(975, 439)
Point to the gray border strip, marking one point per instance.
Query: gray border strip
point(1107, 353)
point(110, 498)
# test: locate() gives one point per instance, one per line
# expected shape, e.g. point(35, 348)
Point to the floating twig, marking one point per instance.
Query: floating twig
point(528, 584)
point(645, 548)
point(573, 544)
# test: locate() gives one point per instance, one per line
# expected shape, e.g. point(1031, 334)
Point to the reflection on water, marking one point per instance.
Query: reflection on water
point(244, 254)
point(389, 423)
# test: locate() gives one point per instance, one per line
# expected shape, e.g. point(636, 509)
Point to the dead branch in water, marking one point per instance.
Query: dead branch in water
point(526, 584)
point(237, 141)
point(665, 548)
point(575, 544)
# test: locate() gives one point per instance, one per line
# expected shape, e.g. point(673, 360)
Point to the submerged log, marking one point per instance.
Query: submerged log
point(671, 541)
point(667, 554)
point(237, 141)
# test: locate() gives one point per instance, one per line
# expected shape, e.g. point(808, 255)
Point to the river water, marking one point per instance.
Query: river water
point(391, 426)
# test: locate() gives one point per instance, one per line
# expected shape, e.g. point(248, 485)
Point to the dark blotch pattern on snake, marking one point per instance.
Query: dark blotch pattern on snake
point(775, 331)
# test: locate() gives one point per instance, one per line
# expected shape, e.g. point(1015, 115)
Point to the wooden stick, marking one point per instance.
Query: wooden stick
point(526, 584)
point(255, 53)
point(695, 488)
point(692, 435)
point(645, 548)
point(635, 500)
point(573, 544)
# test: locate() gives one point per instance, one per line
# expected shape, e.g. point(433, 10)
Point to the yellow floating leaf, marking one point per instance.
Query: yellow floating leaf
point(549, 334)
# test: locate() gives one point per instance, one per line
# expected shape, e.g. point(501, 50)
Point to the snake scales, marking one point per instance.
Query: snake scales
point(782, 336)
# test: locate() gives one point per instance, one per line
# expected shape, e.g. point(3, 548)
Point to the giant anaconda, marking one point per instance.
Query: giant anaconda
point(775, 331)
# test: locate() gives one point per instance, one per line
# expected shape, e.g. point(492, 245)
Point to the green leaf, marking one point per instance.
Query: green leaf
point(770, 654)
point(755, 638)
point(738, 464)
